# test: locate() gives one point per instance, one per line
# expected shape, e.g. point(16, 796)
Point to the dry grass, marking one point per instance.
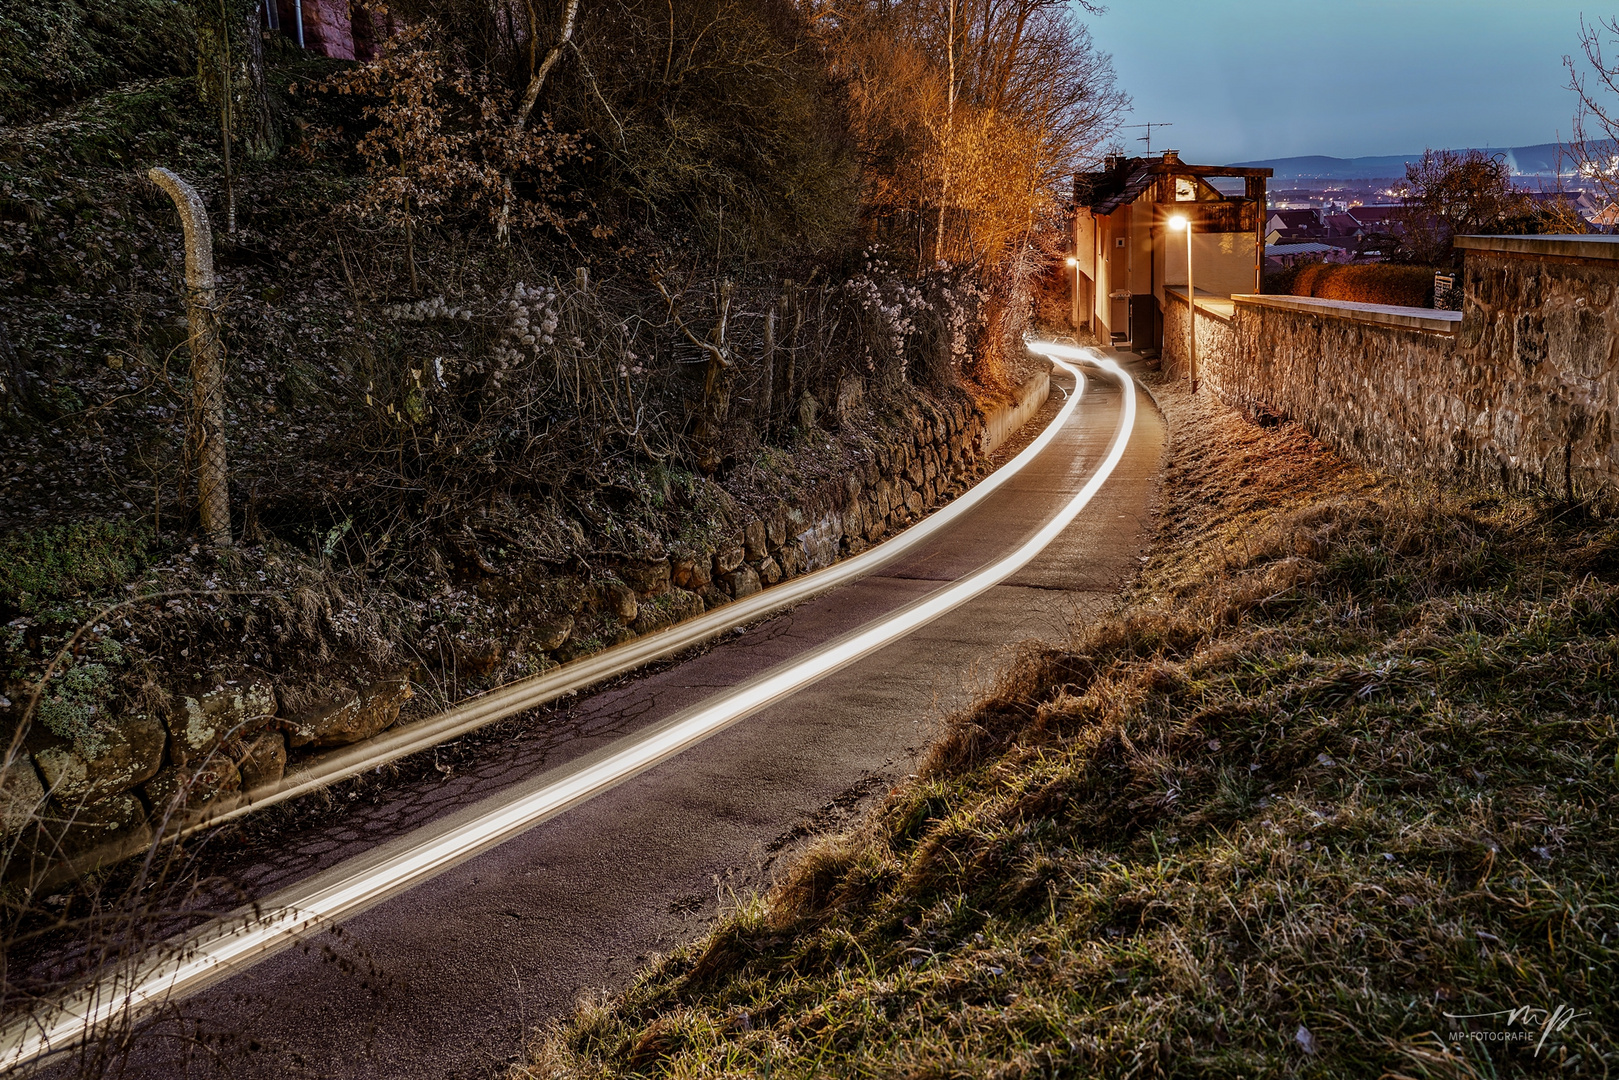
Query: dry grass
point(1340, 770)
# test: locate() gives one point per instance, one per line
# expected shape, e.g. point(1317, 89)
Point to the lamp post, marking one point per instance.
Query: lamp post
point(1179, 222)
point(1073, 317)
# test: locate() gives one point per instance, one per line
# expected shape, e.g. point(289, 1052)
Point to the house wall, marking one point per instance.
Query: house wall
point(1224, 261)
point(1085, 252)
point(1519, 390)
point(335, 28)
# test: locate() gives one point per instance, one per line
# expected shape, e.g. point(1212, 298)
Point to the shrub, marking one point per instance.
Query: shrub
point(1376, 283)
point(40, 566)
point(1280, 282)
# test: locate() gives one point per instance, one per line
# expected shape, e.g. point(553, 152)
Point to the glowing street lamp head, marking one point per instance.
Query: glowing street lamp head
point(1179, 222)
point(1072, 261)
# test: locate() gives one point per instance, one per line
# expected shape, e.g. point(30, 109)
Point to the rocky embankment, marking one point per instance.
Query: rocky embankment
point(222, 734)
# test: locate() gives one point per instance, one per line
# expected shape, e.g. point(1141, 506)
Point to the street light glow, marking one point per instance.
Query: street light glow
point(1178, 222)
point(1072, 261)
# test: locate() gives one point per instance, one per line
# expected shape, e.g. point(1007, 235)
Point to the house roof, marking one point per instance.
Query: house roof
point(1295, 219)
point(1124, 180)
point(1372, 215)
point(1343, 223)
point(1107, 191)
point(1276, 251)
point(1607, 216)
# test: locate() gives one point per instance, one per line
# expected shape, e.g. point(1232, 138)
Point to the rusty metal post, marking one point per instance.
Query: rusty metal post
point(206, 432)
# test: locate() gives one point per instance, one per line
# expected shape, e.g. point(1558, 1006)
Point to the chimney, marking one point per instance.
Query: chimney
point(1113, 162)
point(1172, 157)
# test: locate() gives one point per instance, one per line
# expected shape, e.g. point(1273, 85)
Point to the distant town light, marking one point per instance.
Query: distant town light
point(1178, 222)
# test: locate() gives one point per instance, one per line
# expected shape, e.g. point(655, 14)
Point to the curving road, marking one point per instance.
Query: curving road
point(442, 977)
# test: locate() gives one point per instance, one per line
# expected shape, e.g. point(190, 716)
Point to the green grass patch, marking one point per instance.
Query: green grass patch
point(40, 567)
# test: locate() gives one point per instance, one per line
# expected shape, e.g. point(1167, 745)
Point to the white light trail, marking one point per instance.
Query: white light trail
point(248, 937)
point(537, 690)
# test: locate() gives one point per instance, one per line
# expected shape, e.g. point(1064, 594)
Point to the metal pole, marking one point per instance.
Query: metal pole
point(1074, 318)
point(298, 17)
point(1191, 303)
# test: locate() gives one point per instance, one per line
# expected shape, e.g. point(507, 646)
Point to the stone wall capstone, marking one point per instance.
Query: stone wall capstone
point(1517, 391)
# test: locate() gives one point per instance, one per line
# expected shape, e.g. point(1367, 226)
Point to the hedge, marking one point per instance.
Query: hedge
point(1372, 283)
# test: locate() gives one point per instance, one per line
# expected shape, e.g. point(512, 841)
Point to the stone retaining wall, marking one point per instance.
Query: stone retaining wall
point(213, 743)
point(1518, 390)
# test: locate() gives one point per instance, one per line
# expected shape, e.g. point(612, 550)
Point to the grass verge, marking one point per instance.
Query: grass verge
point(1331, 795)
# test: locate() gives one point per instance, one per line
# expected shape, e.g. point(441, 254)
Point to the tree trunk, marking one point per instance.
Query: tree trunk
point(531, 94)
point(252, 117)
point(767, 393)
point(410, 250)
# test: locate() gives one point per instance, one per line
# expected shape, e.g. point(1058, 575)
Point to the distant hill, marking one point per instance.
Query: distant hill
point(1540, 160)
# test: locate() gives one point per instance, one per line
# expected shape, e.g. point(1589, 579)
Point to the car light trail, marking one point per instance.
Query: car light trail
point(537, 690)
point(348, 889)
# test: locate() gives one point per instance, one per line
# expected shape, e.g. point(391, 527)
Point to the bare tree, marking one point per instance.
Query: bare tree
point(1449, 194)
point(959, 104)
point(531, 92)
point(1595, 146)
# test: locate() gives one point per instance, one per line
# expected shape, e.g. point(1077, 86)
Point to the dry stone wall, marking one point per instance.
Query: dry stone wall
point(235, 732)
point(1518, 390)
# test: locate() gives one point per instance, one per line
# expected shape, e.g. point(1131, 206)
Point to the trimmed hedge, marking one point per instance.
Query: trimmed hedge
point(1373, 283)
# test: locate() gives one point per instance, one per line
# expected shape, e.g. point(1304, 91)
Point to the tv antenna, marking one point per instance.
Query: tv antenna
point(1147, 138)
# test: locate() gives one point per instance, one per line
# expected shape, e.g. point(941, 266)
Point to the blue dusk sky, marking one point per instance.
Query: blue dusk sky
point(1249, 79)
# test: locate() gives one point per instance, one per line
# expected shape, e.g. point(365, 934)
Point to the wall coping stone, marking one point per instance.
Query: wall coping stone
point(1599, 248)
point(1208, 303)
point(1409, 318)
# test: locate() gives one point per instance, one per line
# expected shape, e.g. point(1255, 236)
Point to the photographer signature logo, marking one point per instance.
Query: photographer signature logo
point(1518, 1025)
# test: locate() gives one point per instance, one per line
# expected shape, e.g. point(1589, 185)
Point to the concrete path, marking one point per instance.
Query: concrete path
point(444, 980)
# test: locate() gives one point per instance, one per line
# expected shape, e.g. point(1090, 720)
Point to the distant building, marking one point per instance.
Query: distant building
point(1376, 218)
point(1126, 254)
point(1292, 225)
point(1282, 256)
point(1343, 225)
point(333, 28)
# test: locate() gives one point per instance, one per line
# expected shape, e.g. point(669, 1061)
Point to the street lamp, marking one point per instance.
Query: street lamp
point(1074, 316)
point(1178, 222)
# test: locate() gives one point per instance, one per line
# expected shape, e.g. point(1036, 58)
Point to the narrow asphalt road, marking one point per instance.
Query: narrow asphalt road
point(443, 980)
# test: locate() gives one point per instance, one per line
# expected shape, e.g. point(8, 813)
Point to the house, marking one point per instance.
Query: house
point(1604, 219)
point(1377, 219)
point(333, 28)
point(1126, 255)
point(1293, 225)
point(1343, 225)
point(1281, 256)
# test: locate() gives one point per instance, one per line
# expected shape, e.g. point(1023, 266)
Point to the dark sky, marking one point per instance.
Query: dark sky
point(1247, 79)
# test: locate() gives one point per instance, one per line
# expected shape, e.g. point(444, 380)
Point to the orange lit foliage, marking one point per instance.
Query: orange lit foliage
point(970, 115)
point(1375, 283)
